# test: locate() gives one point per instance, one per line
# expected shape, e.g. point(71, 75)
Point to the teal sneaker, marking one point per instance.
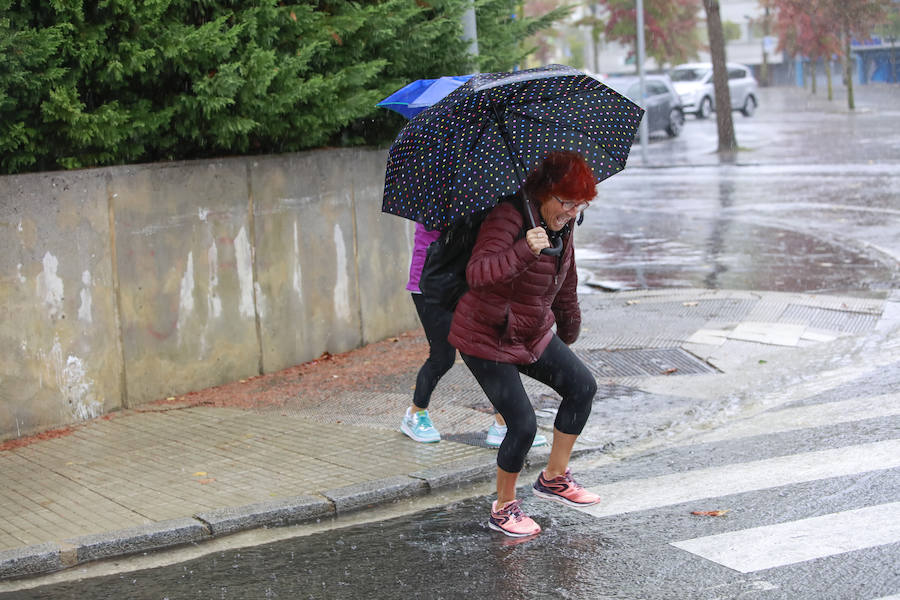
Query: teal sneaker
point(418, 426)
point(496, 433)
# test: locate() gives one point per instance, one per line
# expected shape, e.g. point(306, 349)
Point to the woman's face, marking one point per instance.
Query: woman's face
point(559, 211)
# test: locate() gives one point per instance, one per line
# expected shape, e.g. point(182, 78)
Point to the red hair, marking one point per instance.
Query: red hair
point(564, 174)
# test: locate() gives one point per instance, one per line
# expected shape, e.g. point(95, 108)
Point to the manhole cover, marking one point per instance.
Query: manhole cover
point(643, 362)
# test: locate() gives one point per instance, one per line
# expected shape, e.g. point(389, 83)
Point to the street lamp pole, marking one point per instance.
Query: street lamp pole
point(470, 33)
point(764, 68)
point(640, 69)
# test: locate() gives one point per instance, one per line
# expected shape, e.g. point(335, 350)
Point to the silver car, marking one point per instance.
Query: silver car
point(694, 83)
point(661, 102)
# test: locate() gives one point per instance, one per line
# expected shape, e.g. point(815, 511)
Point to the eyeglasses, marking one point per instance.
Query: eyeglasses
point(567, 206)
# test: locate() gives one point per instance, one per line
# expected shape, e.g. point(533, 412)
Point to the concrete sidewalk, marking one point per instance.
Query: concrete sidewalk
point(669, 361)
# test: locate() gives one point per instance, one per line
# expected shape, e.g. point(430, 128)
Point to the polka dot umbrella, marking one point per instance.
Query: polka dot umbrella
point(461, 155)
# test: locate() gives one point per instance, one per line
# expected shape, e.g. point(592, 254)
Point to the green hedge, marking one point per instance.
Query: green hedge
point(88, 83)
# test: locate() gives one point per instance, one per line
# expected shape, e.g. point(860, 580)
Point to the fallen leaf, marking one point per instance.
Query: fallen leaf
point(206, 481)
point(200, 474)
point(762, 362)
point(690, 303)
point(170, 398)
point(709, 513)
point(670, 371)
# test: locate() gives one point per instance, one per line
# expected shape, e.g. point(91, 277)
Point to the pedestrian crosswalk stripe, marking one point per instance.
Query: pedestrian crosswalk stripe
point(805, 417)
point(772, 546)
point(641, 494)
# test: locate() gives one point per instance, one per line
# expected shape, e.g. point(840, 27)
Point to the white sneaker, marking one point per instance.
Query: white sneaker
point(418, 426)
point(496, 433)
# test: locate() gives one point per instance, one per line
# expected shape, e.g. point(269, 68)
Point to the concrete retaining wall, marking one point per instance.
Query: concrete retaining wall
point(125, 285)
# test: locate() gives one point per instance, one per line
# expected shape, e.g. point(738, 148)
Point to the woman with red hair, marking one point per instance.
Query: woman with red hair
point(502, 327)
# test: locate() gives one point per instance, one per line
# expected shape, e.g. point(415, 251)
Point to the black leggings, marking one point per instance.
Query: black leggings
point(436, 322)
point(559, 368)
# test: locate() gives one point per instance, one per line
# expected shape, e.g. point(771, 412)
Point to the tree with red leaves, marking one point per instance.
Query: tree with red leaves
point(803, 28)
point(833, 18)
point(670, 28)
point(855, 18)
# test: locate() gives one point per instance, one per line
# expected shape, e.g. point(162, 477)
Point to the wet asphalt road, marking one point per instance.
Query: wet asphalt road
point(811, 205)
point(813, 209)
point(825, 229)
point(449, 552)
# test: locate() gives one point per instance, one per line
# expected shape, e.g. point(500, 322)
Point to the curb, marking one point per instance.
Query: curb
point(290, 511)
point(48, 557)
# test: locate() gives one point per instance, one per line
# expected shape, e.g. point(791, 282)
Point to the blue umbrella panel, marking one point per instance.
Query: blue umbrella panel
point(477, 144)
point(418, 95)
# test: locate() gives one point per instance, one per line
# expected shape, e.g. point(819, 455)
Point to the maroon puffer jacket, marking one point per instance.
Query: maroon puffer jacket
point(513, 296)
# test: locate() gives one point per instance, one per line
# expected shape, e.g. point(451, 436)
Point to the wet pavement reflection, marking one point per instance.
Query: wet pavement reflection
point(441, 553)
point(642, 250)
point(810, 204)
point(823, 229)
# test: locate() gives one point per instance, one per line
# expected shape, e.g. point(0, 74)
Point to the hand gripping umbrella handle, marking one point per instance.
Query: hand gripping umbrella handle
point(556, 250)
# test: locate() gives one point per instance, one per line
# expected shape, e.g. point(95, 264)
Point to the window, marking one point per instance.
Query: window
point(688, 74)
point(655, 88)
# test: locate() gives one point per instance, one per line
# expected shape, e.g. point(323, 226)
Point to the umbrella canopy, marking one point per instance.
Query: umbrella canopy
point(474, 146)
point(415, 97)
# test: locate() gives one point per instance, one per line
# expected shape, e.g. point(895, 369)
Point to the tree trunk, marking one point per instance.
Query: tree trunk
point(764, 68)
point(724, 123)
point(848, 69)
point(813, 65)
point(828, 76)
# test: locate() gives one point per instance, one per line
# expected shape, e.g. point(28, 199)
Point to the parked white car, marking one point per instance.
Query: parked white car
point(694, 83)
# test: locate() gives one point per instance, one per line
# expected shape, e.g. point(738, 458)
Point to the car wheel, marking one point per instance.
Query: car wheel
point(705, 108)
point(749, 106)
point(676, 122)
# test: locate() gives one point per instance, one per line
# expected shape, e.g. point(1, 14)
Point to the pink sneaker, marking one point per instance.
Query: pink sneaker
point(565, 490)
point(512, 521)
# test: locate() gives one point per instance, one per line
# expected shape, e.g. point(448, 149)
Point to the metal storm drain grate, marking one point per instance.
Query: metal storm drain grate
point(827, 318)
point(472, 438)
point(643, 362)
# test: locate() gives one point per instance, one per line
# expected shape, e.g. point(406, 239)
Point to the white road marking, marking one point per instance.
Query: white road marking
point(771, 546)
point(803, 417)
point(642, 494)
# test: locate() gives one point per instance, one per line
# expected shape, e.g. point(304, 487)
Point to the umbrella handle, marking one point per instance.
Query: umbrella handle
point(556, 250)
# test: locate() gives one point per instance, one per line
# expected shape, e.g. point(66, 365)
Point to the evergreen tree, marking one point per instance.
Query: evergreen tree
point(97, 82)
point(503, 31)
